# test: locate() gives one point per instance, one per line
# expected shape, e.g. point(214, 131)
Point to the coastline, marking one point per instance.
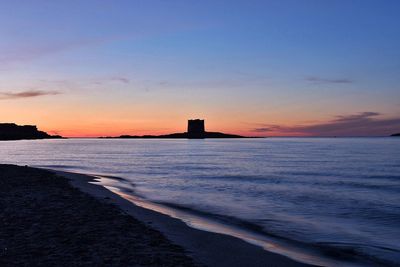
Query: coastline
point(187, 246)
point(45, 221)
point(210, 242)
point(206, 248)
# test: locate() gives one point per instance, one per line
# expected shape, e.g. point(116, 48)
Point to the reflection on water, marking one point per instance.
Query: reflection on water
point(207, 224)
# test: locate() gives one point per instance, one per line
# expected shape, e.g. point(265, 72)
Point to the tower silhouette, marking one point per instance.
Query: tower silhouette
point(196, 128)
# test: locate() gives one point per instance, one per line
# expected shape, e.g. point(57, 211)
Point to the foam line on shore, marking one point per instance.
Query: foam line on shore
point(191, 219)
point(211, 249)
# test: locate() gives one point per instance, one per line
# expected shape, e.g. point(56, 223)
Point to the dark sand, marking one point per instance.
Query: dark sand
point(44, 221)
point(60, 219)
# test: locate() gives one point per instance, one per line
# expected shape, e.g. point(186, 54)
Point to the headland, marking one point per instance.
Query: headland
point(12, 131)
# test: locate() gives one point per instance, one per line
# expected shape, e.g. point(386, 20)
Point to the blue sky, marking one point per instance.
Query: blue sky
point(142, 66)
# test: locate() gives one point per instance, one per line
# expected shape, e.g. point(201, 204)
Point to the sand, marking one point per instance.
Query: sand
point(47, 222)
point(53, 218)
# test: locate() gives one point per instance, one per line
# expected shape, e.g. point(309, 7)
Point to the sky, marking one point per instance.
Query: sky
point(258, 68)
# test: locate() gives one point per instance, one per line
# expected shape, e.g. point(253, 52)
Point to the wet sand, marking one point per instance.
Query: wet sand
point(47, 222)
point(53, 218)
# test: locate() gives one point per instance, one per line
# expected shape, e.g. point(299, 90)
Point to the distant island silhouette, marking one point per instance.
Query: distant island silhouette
point(12, 131)
point(396, 134)
point(195, 130)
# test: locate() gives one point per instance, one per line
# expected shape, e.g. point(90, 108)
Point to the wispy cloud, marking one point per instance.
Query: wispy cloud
point(83, 83)
point(27, 94)
point(29, 52)
point(315, 79)
point(267, 128)
point(120, 79)
point(361, 124)
point(23, 54)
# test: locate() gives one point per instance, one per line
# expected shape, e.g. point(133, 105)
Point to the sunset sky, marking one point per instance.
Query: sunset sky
point(95, 68)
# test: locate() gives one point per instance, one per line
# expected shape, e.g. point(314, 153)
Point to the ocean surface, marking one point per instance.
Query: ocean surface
point(336, 199)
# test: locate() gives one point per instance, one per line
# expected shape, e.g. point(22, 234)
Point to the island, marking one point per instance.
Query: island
point(12, 131)
point(397, 134)
point(195, 130)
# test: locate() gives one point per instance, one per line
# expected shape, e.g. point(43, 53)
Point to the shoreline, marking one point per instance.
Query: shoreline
point(208, 248)
point(45, 221)
point(186, 228)
point(61, 218)
point(294, 250)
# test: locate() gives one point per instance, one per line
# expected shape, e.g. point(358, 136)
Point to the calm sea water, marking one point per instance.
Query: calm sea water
point(340, 196)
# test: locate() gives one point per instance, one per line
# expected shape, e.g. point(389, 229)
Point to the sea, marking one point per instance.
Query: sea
point(325, 201)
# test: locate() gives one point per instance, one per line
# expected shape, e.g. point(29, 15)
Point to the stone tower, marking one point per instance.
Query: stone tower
point(196, 128)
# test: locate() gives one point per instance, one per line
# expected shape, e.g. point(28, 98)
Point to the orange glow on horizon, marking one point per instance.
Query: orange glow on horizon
point(93, 133)
point(108, 119)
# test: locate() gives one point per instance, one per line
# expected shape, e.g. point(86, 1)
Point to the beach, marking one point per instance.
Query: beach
point(46, 222)
point(53, 218)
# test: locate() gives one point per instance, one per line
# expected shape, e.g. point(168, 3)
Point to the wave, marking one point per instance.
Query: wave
point(356, 253)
